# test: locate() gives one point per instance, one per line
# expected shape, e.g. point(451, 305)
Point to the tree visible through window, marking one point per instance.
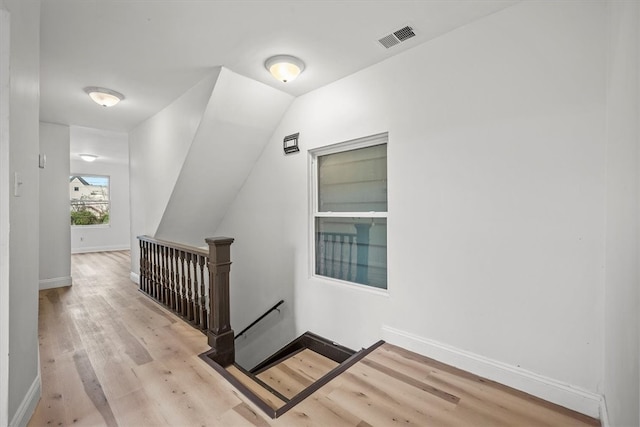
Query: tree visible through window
point(89, 198)
point(350, 211)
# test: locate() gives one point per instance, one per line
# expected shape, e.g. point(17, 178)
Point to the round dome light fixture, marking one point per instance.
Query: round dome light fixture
point(103, 96)
point(88, 157)
point(284, 67)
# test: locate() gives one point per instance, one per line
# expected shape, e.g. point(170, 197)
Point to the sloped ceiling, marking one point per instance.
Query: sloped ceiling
point(154, 51)
point(236, 124)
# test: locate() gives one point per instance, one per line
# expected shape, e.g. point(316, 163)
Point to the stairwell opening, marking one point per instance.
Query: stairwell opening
point(291, 374)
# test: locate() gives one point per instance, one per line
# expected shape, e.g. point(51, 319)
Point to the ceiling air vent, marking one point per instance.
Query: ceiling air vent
point(397, 37)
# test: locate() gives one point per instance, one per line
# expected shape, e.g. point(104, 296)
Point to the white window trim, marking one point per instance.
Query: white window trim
point(369, 141)
point(84, 227)
point(109, 201)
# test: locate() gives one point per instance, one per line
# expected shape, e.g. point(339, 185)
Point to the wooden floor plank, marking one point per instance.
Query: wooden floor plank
point(266, 396)
point(285, 380)
point(294, 374)
point(136, 409)
point(92, 387)
point(412, 381)
point(250, 415)
point(325, 412)
point(398, 397)
point(310, 364)
point(109, 355)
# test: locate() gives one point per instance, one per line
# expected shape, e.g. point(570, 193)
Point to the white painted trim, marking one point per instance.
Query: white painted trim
point(554, 391)
point(100, 249)
point(28, 405)
point(357, 287)
point(352, 144)
point(5, 21)
point(135, 277)
point(56, 282)
point(90, 226)
point(313, 154)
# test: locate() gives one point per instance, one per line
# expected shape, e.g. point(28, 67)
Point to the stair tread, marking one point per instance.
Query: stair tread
point(257, 389)
point(297, 372)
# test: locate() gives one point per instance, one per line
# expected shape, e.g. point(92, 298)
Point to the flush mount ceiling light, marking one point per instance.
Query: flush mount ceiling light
point(103, 96)
point(88, 157)
point(284, 67)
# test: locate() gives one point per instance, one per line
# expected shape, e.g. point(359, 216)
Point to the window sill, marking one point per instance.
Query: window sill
point(92, 226)
point(350, 285)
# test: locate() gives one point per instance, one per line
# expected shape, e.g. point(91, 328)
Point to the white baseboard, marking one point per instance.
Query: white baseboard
point(135, 277)
point(28, 405)
point(554, 391)
point(56, 282)
point(99, 249)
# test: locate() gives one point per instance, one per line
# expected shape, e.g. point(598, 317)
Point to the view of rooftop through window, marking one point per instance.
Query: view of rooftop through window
point(89, 199)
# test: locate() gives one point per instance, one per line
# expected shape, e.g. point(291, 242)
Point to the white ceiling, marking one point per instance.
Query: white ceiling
point(109, 146)
point(152, 51)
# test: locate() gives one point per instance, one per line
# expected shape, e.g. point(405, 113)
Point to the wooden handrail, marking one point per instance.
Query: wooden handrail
point(265, 314)
point(187, 248)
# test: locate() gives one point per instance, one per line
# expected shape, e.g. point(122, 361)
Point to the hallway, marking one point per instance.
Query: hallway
point(111, 356)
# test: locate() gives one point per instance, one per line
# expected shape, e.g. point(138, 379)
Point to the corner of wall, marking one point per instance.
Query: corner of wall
point(135, 277)
point(237, 122)
point(28, 405)
point(604, 415)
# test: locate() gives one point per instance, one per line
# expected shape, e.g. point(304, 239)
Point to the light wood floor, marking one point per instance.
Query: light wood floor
point(297, 372)
point(110, 356)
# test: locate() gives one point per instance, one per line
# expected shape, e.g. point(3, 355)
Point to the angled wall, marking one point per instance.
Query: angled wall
point(239, 119)
point(157, 150)
point(496, 190)
point(232, 119)
point(188, 162)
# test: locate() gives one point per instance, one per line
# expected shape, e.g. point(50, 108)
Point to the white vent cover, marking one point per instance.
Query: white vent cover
point(397, 37)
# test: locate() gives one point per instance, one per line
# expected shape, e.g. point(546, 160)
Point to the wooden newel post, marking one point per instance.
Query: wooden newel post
point(220, 335)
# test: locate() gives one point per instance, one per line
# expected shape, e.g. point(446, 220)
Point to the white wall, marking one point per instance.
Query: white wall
point(55, 240)
point(237, 121)
point(24, 383)
point(158, 148)
point(496, 190)
point(112, 149)
point(215, 156)
point(622, 280)
point(5, 89)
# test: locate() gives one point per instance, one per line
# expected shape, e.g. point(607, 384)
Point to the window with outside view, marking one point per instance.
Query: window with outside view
point(350, 211)
point(89, 198)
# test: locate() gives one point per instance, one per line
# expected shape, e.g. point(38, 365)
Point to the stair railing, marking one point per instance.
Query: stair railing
point(220, 334)
point(255, 322)
point(174, 275)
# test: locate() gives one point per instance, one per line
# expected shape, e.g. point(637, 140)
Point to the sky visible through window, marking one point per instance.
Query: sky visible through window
point(97, 180)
